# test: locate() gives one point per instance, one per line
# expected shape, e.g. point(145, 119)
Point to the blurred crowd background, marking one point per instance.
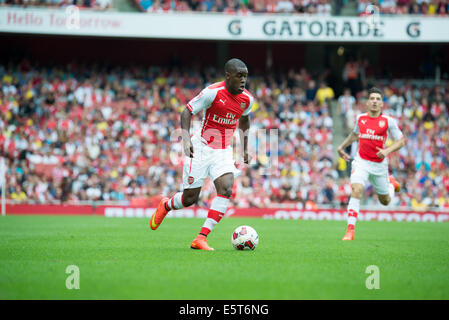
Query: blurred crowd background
point(314, 7)
point(310, 7)
point(238, 6)
point(166, 6)
point(81, 132)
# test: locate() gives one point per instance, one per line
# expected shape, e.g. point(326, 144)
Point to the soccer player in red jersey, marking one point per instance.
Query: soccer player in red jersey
point(208, 152)
point(371, 130)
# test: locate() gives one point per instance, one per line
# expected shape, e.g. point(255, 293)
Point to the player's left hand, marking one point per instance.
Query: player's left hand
point(382, 153)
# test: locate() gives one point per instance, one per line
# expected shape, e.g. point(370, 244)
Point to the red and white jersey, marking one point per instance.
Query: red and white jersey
point(221, 112)
point(373, 133)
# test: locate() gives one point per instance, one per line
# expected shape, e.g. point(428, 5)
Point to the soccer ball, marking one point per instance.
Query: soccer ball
point(244, 238)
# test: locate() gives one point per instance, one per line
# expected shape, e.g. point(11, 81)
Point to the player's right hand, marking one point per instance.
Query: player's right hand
point(188, 148)
point(344, 155)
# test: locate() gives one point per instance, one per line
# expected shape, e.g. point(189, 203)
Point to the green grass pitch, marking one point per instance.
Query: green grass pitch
point(120, 258)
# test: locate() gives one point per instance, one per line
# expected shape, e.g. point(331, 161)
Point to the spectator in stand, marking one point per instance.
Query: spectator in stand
point(346, 104)
point(329, 192)
point(324, 7)
point(443, 198)
point(311, 90)
point(388, 6)
point(145, 5)
point(351, 75)
point(102, 4)
point(284, 6)
point(257, 6)
point(324, 94)
point(194, 5)
point(417, 203)
point(414, 7)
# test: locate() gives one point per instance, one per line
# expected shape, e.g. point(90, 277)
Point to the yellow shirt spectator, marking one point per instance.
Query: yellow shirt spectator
point(102, 126)
point(161, 81)
point(341, 164)
point(428, 125)
point(29, 94)
point(418, 205)
point(7, 78)
point(324, 93)
point(18, 196)
point(114, 174)
point(174, 102)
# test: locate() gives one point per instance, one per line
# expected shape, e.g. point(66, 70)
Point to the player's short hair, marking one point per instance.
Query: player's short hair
point(375, 90)
point(233, 64)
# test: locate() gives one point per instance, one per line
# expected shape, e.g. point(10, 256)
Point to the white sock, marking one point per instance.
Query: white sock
point(209, 223)
point(216, 212)
point(175, 202)
point(391, 191)
point(353, 210)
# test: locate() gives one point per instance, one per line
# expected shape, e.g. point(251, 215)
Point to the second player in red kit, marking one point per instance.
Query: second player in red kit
point(372, 129)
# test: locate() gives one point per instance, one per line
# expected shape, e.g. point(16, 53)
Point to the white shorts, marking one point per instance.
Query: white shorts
point(206, 162)
point(374, 172)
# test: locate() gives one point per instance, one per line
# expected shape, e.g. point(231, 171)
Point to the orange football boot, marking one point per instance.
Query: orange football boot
point(349, 235)
point(395, 183)
point(200, 242)
point(159, 215)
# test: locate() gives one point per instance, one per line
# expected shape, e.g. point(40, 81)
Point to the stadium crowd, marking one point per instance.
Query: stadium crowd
point(82, 4)
point(237, 6)
point(79, 133)
point(421, 7)
point(322, 7)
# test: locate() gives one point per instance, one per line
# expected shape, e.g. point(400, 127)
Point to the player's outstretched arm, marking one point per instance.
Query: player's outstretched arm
point(395, 146)
point(186, 118)
point(350, 139)
point(244, 127)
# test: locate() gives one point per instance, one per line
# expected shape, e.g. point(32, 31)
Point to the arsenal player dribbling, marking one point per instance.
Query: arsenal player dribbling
point(209, 153)
point(372, 130)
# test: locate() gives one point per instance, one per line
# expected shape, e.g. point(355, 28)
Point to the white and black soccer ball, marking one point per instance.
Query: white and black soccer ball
point(245, 238)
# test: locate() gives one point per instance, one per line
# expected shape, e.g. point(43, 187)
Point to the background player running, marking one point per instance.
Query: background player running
point(372, 130)
point(209, 152)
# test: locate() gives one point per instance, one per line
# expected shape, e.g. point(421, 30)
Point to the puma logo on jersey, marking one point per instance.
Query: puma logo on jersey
point(363, 121)
point(222, 101)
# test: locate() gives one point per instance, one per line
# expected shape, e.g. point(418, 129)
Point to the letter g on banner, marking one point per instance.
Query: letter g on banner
point(235, 27)
point(413, 29)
